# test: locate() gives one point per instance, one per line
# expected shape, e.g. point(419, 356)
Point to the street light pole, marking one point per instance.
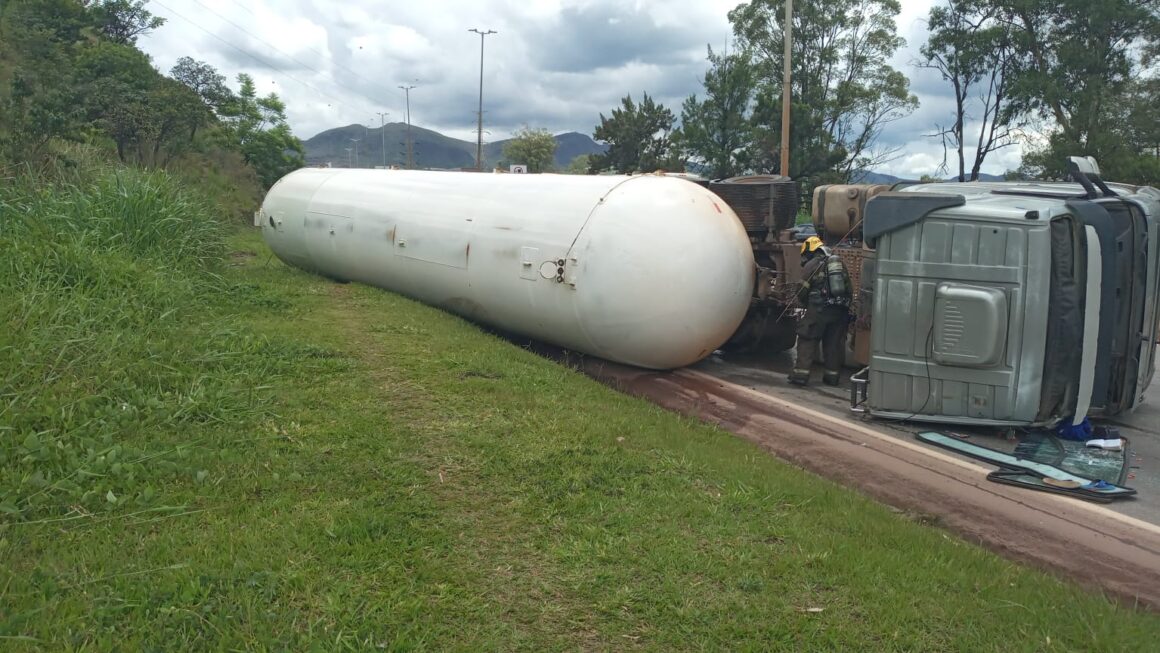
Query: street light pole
point(349, 161)
point(479, 142)
point(786, 31)
point(410, 145)
point(383, 128)
point(355, 141)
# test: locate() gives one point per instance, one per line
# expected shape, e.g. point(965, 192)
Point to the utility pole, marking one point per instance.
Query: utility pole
point(479, 142)
point(349, 161)
point(355, 141)
point(787, 32)
point(410, 157)
point(383, 128)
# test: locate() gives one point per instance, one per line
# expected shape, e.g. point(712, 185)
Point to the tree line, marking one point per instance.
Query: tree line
point(71, 71)
point(1064, 77)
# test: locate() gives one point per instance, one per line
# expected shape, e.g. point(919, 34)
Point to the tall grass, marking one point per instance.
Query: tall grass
point(113, 344)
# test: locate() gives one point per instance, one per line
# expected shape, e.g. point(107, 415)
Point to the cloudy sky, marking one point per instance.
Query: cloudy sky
point(555, 64)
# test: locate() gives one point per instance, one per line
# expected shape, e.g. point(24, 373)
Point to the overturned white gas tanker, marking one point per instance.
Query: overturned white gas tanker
point(647, 270)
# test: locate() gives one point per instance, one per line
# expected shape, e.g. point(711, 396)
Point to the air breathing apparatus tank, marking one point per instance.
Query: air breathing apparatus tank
point(837, 280)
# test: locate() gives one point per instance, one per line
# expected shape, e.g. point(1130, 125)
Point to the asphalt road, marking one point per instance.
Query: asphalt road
point(1141, 427)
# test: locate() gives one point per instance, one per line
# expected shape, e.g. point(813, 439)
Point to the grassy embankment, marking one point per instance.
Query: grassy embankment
point(200, 448)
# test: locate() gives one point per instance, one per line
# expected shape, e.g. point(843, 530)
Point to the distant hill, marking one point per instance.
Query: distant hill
point(574, 144)
point(432, 149)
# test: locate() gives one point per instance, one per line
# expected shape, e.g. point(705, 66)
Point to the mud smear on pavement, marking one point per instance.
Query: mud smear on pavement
point(1092, 546)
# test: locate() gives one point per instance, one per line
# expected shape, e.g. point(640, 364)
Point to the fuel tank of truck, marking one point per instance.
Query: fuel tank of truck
point(647, 270)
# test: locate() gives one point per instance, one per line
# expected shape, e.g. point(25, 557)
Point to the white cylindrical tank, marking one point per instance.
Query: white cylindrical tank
point(651, 271)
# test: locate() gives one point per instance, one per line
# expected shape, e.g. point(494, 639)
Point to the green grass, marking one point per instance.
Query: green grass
point(113, 377)
point(349, 470)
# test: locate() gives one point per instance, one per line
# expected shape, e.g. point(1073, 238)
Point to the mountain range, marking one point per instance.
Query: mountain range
point(431, 149)
point(434, 150)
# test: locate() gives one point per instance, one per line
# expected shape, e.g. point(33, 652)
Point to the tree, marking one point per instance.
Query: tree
point(1140, 126)
point(208, 85)
point(844, 89)
point(973, 51)
point(38, 97)
point(257, 127)
point(579, 165)
point(116, 81)
point(75, 73)
point(176, 114)
point(813, 155)
point(1128, 148)
point(640, 138)
point(71, 70)
point(122, 21)
point(1077, 61)
point(717, 130)
point(535, 148)
point(203, 79)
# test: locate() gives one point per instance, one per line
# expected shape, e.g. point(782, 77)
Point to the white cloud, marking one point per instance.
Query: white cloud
point(555, 64)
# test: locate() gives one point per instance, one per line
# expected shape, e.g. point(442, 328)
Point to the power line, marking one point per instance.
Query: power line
point(307, 46)
point(256, 57)
point(256, 37)
point(284, 53)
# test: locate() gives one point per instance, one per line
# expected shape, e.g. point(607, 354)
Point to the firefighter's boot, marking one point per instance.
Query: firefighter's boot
point(799, 377)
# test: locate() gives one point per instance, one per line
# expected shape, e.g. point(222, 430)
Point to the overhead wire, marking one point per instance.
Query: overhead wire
point(260, 60)
point(287, 54)
point(307, 46)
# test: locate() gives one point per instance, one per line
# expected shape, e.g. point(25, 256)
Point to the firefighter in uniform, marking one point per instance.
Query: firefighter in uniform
point(825, 293)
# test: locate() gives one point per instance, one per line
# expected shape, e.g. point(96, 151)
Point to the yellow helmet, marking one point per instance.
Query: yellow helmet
point(811, 244)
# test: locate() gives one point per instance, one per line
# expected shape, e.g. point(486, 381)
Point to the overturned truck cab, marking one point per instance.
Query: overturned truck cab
point(1010, 303)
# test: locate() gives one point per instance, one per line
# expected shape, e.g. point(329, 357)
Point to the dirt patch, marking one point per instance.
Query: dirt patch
point(476, 374)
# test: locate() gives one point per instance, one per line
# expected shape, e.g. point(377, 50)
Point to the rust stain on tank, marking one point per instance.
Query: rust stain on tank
point(467, 252)
point(391, 235)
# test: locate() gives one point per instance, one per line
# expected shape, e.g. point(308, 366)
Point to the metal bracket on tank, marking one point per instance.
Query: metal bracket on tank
point(569, 271)
point(561, 270)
